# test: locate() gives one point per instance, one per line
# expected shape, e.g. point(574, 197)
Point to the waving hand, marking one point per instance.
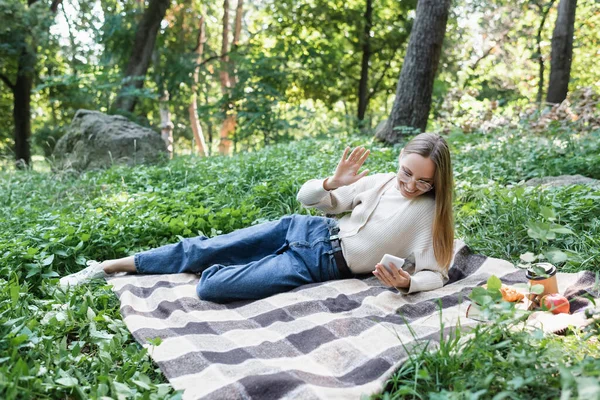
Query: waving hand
point(346, 172)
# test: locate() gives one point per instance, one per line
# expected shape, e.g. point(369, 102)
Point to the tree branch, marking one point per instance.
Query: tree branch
point(54, 5)
point(376, 85)
point(232, 51)
point(487, 53)
point(7, 82)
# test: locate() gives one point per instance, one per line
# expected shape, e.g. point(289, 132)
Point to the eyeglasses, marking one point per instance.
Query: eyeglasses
point(423, 186)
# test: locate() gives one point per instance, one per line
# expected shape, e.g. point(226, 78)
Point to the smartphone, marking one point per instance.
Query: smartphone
point(397, 261)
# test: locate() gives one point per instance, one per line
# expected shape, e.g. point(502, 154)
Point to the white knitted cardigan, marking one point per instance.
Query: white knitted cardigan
point(405, 232)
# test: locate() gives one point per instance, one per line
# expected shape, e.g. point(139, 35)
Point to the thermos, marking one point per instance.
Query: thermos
point(548, 280)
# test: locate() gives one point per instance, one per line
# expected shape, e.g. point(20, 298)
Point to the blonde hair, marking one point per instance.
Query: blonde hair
point(434, 147)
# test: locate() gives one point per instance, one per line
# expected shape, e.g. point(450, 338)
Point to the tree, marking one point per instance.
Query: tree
point(562, 52)
point(227, 75)
point(24, 44)
point(544, 9)
point(415, 85)
point(141, 54)
point(364, 70)
point(322, 44)
point(193, 108)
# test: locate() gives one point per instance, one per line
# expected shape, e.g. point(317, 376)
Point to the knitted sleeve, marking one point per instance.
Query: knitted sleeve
point(428, 274)
point(312, 194)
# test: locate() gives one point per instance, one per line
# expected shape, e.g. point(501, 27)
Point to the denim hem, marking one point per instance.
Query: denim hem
point(136, 262)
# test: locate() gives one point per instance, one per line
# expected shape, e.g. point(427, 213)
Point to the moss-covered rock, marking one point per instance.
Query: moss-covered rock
point(95, 140)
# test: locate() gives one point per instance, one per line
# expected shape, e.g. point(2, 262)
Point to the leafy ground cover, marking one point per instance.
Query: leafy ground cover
point(75, 345)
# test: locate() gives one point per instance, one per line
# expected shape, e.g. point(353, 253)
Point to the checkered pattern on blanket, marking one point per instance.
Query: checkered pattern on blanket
point(338, 339)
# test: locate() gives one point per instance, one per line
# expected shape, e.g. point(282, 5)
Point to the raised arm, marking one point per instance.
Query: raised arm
point(335, 194)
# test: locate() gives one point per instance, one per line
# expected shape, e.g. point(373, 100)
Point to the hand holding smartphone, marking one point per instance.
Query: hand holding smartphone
point(397, 261)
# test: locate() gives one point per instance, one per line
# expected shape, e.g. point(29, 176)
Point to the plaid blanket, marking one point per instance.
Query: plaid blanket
point(338, 339)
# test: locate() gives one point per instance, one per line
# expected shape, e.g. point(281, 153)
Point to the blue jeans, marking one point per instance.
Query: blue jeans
point(251, 263)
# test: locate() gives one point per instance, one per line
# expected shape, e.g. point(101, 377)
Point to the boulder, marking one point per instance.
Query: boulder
point(95, 140)
point(562, 180)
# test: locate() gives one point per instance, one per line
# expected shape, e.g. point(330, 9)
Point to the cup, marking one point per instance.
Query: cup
point(548, 281)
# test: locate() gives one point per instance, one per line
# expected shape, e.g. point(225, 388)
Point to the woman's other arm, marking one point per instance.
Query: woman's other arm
point(429, 275)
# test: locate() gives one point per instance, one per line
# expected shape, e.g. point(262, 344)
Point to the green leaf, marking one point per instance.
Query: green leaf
point(494, 283)
point(32, 270)
point(102, 334)
point(85, 237)
point(528, 257)
point(536, 289)
point(14, 293)
point(548, 213)
point(556, 256)
point(102, 389)
point(155, 342)
point(539, 271)
point(67, 381)
point(48, 260)
point(122, 390)
point(141, 384)
point(562, 229)
point(480, 296)
point(478, 291)
point(80, 260)
point(17, 340)
point(90, 314)
point(487, 299)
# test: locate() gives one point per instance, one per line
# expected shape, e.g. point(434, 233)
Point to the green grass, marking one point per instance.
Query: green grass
point(500, 361)
point(52, 223)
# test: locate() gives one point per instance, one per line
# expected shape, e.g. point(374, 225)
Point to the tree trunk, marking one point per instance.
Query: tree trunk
point(22, 96)
point(224, 72)
point(22, 107)
point(228, 79)
point(166, 126)
point(224, 141)
point(209, 128)
point(139, 61)
point(209, 125)
point(415, 85)
point(193, 108)
point(562, 52)
point(225, 134)
point(237, 31)
point(363, 85)
point(538, 40)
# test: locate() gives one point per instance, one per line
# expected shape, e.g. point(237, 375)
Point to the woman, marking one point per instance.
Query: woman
point(400, 214)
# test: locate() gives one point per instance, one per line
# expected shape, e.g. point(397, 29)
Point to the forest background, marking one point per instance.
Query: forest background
point(274, 90)
point(273, 71)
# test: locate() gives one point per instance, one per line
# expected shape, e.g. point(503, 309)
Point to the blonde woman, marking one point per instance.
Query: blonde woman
point(402, 214)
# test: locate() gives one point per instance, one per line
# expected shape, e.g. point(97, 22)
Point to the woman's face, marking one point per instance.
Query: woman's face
point(415, 175)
